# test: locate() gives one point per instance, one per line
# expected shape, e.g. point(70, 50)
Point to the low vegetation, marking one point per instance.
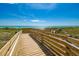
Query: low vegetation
point(70, 31)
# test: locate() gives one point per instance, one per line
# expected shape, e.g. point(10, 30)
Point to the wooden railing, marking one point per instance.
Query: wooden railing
point(9, 47)
point(56, 45)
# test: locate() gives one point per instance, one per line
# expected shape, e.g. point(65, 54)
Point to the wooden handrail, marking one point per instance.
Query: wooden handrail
point(7, 48)
point(57, 45)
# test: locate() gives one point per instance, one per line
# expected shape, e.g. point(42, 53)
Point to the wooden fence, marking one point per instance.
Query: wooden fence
point(56, 45)
point(8, 48)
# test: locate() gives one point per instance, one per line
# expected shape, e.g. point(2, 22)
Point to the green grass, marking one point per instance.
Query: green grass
point(73, 31)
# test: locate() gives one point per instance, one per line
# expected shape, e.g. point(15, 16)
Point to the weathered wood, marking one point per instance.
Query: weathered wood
point(8, 46)
point(58, 45)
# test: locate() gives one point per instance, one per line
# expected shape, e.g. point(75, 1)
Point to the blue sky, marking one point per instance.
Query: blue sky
point(42, 14)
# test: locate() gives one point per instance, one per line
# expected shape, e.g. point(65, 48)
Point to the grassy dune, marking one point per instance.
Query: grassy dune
point(72, 31)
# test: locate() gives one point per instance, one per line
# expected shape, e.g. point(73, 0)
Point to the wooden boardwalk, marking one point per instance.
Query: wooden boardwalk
point(26, 46)
point(21, 44)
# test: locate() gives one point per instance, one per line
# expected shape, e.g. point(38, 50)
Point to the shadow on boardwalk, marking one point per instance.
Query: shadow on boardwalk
point(45, 50)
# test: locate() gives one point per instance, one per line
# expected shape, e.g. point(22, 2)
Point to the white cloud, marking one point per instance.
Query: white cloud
point(37, 20)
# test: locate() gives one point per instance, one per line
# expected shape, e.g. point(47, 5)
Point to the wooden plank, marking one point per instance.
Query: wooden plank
point(28, 47)
point(73, 41)
point(73, 47)
point(63, 47)
point(63, 52)
point(69, 39)
point(70, 44)
point(53, 49)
